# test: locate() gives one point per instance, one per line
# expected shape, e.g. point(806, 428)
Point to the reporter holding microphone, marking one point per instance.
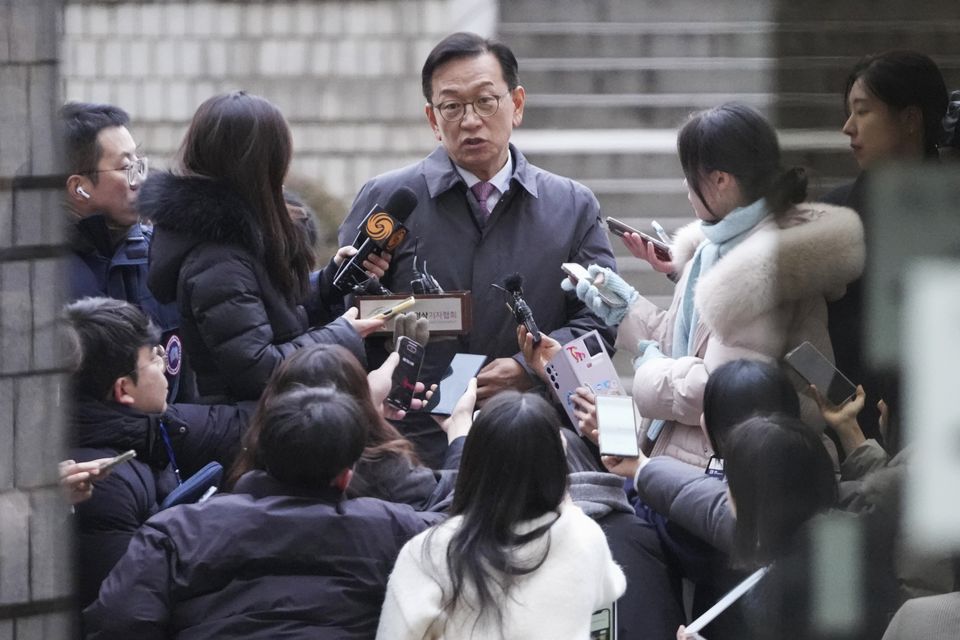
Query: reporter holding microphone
point(755, 273)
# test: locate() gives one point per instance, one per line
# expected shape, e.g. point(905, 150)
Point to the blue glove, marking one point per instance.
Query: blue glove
point(613, 286)
point(648, 350)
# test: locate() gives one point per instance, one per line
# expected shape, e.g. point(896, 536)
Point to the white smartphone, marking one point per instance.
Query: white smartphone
point(576, 272)
point(816, 369)
point(617, 427)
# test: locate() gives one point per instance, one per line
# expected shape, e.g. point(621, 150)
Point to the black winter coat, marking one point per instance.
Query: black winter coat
point(208, 255)
point(131, 493)
point(270, 561)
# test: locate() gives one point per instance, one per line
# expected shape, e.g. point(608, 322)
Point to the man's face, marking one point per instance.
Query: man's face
point(149, 392)
point(112, 195)
point(479, 145)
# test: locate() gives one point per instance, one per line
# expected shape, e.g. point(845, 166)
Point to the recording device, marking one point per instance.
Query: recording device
point(454, 382)
point(661, 249)
point(817, 370)
point(423, 283)
point(388, 312)
point(617, 426)
point(577, 272)
point(513, 285)
point(407, 372)
point(117, 460)
point(582, 362)
point(382, 230)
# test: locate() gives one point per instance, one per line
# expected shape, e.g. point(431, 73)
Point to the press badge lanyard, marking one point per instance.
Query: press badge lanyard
point(169, 446)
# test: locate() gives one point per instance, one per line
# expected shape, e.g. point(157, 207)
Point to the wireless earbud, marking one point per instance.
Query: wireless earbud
point(80, 191)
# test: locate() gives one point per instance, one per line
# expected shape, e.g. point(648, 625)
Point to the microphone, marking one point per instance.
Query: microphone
point(518, 306)
point(381, 230)
point(423, 283)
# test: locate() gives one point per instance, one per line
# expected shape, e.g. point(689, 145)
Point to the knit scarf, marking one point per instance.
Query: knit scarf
point(722, 236)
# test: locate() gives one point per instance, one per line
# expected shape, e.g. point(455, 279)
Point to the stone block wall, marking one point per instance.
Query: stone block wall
point(345, 74)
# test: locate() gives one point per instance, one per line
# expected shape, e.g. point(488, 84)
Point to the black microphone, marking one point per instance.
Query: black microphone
point(519, 307)
point(423, 283)
point(381, 230)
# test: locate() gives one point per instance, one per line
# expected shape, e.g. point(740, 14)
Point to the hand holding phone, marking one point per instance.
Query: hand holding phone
point(389, 312)
point(661, 249)
point(576, 272)
point(617, 427)
point(116, 460)
point(453, 385)
point(406, 374)
point(816, 369)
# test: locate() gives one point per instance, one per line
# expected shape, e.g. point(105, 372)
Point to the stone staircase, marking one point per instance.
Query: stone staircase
point(609, 82)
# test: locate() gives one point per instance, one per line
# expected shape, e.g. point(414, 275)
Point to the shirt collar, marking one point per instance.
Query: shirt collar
point(501, 180)
point(441, 174)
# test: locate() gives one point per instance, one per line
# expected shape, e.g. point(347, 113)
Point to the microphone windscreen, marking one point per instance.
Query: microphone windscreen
point(401, 204)
point(514, 283)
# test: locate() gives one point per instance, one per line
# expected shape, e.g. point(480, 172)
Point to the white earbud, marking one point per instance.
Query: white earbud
point(83, 193)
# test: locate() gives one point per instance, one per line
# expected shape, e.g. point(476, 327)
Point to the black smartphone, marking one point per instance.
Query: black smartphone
point(454, 382)
point(617, 426)
point(816, 369)
point(661, 249)
point(407, 372)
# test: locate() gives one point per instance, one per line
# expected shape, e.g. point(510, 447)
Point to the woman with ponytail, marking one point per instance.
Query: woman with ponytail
point(754, 273)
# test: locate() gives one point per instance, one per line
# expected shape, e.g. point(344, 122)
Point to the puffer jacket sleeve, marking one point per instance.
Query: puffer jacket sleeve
point(204, 433)
point(134, 599)
point(227, 303)
point(690, 498)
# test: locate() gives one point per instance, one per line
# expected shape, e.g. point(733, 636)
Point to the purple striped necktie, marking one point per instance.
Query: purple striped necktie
point(482, 191)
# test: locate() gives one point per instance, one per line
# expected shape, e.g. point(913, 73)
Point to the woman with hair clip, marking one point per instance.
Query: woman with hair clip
point(517, 559)
point(388, 469)
point(755, 271)
point(226, 249)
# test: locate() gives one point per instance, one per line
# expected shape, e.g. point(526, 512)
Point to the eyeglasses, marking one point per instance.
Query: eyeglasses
point(159, 355)
point(484, 106)
point(136, 171)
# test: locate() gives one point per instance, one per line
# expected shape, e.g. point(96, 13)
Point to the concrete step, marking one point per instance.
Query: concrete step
point(732, 39)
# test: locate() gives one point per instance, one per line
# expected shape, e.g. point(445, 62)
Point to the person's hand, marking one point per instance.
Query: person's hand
point(843, 419)
point(76, 478)
point(363, 326)
point(500, 375)
point(537, 356)
point(585, 408)
point(412, 326)
point(374, 265)
point(646, 251)
point(613, 285)
point(624, 467)
point(380, 381)
point(683, 635)
point(458, 423)
point(648, 350)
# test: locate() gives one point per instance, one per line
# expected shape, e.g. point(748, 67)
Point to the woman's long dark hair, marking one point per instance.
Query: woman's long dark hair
point(315, 366)
point(513, 469)
point(736, 139)
point(243, 141)
point(902, 79)
point(780, 476)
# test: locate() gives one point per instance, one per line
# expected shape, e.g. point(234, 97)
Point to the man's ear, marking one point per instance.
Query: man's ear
point(519, 97)
point(121, 388)
point(77, 186)
point(432, 119)
point(342, 480)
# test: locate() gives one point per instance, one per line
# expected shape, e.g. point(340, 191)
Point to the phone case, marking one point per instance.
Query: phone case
point(454, 382)
point(407, 373)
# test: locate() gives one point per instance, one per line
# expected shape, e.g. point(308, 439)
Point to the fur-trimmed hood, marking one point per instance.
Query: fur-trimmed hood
point(814, 249)
point(187, 211)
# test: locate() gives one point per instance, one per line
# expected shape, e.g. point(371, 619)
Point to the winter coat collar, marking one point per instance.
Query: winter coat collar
point(441, 175)
point(598, 494)
point(260, 484)
point(102, 425)
point(814, 249)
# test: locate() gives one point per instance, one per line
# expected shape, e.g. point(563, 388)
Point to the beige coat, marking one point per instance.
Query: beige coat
point(766, 296)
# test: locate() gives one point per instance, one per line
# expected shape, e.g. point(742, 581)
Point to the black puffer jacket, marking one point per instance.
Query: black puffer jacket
point(207, 254)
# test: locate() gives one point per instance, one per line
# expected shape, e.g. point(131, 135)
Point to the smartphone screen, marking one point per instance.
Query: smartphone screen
point(406, 374)
point(617, 427)
point(454, 382)
point(816, 369)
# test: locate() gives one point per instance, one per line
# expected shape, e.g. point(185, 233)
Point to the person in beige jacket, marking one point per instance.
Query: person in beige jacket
point(754, 274)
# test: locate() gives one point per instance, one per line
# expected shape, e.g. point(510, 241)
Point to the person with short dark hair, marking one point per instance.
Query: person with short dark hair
point(109, 244)
point(517, 559)
point(483, 213)
point(287, 555)
point(121, 404)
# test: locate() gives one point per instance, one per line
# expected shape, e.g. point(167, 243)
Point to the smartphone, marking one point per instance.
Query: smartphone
point(577, 272)
point(454, 382)
point(816, 369)
point(617, 426)
point(407, 372)
point(661, 249)
point(118, 459)
point(382, 313)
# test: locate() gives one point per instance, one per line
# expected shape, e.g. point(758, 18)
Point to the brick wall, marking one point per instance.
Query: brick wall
point(35, 576)
point(345, 74)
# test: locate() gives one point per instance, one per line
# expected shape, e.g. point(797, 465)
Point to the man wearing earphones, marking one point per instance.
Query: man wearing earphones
point(109, 245)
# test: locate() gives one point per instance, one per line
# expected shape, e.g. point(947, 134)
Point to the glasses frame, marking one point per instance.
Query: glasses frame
point(473, 103)
point(136, 172)
point(158, 352)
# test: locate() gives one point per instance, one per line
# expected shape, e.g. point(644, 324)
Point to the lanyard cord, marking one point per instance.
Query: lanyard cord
point(169, 446)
